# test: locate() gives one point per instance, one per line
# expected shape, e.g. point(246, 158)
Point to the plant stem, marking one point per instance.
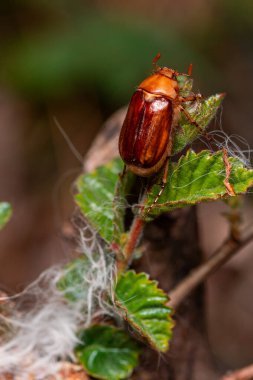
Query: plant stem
point(133, 239)
point(228, 249)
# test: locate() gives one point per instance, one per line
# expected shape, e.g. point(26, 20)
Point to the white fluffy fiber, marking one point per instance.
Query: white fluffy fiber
point(45, 331)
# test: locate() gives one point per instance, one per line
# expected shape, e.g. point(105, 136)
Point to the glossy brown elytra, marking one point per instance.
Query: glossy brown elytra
point(145, 141)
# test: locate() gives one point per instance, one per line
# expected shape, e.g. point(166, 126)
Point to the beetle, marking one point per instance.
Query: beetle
point(145, 141)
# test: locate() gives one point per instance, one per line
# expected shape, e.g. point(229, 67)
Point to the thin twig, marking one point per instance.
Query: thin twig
point(229, 248)
point(242, 374)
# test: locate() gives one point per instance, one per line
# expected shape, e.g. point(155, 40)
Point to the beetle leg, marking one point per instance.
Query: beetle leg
point(122, 174)
point(187, 114)
point(190, 98)
point(164, 181)
point(193, 122)
point(165, 173)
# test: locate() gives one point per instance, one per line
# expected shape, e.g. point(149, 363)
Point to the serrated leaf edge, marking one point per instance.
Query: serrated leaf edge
point(201, 199)
point(132, 323)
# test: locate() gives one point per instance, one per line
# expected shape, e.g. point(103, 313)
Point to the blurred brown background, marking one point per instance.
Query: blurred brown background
point(77, 62)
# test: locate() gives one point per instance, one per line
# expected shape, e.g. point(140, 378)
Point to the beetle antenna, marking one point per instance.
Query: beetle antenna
point(190, 69)
point(157, 57)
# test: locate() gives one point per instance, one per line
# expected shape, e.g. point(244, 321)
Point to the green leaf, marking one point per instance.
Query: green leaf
point(143, 305)
point(95, 198)
point(107, 352)
point(198, 177)
point(72, 283)
point(202, 112)
point(5, 213)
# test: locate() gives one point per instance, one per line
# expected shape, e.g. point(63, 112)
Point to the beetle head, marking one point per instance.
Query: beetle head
point(170, 73)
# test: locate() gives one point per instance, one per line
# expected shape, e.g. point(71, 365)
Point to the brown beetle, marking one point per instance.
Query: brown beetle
point(145, 141)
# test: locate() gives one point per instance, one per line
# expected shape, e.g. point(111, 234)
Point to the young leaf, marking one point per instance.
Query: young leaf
point(5, 213)
point(143, 305)
point(201, 112)
point(185, 85)
point(198, 177)
point(107, 352)
point(95, 197)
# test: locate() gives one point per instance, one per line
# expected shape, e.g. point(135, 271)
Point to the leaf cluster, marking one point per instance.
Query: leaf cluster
point(109, 352)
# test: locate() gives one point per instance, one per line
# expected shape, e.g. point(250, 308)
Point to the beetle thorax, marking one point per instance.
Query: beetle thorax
point(161, 84)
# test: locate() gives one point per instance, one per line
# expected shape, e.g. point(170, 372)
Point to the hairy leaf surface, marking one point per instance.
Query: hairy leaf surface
point(143, 305)
point(202, 112)
point(198, 177)
point(95, 197)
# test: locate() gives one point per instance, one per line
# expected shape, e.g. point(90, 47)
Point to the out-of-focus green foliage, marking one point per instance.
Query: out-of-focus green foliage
point(5, 213)
point(93, 51)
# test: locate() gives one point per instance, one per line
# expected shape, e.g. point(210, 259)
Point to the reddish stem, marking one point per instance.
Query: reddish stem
point(133, 239)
